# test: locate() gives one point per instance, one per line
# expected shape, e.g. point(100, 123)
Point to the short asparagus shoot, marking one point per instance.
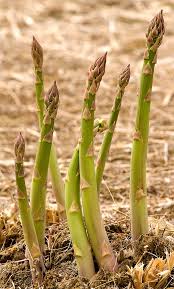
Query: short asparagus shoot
point(138, 190)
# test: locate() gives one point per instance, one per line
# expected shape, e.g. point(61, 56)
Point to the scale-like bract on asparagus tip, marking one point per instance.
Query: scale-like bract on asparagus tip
point(95, 73)
point(51, 102)
point(37, 53)
point(52, 95)
point(19, 148)
point(124, 77)
point(156, 30)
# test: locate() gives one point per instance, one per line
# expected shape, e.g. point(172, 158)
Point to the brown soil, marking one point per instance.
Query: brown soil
point(73, 34)
point(61, 271)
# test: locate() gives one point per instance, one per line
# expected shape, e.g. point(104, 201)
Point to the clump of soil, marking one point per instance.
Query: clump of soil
point(61, 271)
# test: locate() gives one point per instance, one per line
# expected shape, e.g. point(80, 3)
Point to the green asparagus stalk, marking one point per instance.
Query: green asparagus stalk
point(37, 55)
point(138, 193)
point(30, 237)
point(105, 147)
point(38, 190)
point(57, 181)
point(96, 231)
point(82, 248)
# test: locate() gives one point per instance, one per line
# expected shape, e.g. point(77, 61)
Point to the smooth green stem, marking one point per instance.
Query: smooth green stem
point(138, 193)
point(57, 182)
point(56, 178)
point(139, 216)
point(39, 87)
point(33, 250)
point(39, 180)
point(106, 143)
point(30, 236)
point(94, 224)
point(79, 238)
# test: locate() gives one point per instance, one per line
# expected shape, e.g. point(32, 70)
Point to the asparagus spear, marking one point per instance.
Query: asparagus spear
point(138, 193)
point(38, 190)
point(57, 182)
point(105, 147)
point(37, 55)
point(30, 237)
point(82, 248)
point(96, 231)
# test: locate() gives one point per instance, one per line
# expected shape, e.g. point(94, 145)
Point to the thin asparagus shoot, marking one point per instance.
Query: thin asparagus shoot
point(39, 180)
point(106, 143)
point(33, 250)
point(56, 178)
point(94, 224)
point(138, 192)
point(82, 248)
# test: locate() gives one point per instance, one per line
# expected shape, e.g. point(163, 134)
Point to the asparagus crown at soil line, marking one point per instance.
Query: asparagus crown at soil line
point(38, 191)
point(95, 228)
point(106, 143)
point(138, 193)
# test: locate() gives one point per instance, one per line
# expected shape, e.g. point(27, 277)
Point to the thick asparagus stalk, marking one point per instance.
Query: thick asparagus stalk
point(57, 181)
point(30, 237)
point(105, 147)
point(138, 193)
point(38, 190)
point(82, 248)
point(96, 231)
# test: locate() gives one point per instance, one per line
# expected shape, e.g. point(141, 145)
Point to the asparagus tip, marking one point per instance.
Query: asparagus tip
point(37, 53)
point(96, 72)
point(124, 77)
point(52, 100)
point(19, 148)
point(156, 31)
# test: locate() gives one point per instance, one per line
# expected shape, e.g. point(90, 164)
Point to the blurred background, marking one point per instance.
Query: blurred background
point(73, 34)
